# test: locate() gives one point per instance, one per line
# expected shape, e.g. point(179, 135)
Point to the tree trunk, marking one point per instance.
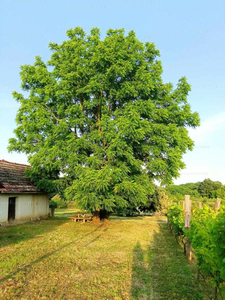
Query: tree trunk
point(104, 215)
point(96, 216)
point(52, 211)
point(100, 215)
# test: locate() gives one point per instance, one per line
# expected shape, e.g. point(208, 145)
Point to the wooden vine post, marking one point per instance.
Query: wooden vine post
point(217, 204)
point(187, 211)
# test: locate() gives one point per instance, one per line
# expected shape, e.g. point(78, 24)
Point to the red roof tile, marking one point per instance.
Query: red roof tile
point(13, 179)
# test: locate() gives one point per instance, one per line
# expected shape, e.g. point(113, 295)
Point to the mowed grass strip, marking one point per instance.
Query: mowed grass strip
point(125, 258)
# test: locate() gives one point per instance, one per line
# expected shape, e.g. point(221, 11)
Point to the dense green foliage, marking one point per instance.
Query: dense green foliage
point(53, 204)
point(184, 189)
point(157, 202)
point(207, 236)
point(100, 124)
point(176, 219)
point(207, 189)
point(60, 202)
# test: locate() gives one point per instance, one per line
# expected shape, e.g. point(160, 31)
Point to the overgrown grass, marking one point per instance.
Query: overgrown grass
point(125, 258)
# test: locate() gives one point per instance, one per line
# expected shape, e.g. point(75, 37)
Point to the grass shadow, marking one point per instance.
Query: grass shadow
point(18, 233)
point(163, 272)
point(50, 253)
point(141, 275)
point(21, 232)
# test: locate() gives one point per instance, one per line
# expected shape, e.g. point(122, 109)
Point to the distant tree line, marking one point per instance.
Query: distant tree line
point(161, 197)
point(205, 189)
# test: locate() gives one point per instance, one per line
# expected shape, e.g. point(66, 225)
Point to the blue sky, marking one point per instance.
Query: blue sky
point(189, 34)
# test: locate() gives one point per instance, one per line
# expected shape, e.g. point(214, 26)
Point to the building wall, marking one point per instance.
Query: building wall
point(28, 206)
point(3, 209)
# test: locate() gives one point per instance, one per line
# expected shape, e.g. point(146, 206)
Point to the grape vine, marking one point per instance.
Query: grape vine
point(207, 237)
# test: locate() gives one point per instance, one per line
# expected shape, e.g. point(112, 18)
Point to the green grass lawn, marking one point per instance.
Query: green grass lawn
point(125, 258)
point(65, 212)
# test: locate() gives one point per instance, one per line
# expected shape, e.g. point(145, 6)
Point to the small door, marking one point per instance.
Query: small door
point(12, 209)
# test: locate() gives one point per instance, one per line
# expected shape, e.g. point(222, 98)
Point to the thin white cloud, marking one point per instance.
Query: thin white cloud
point(200, 173)
point(207, 127)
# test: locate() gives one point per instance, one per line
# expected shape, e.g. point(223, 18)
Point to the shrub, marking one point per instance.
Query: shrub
point(52, 204)
point(60, 202)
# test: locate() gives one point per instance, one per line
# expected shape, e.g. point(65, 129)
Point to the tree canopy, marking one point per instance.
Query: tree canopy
point(209, 188)
point(98, 121)
point(205, 189)
point(184, 189)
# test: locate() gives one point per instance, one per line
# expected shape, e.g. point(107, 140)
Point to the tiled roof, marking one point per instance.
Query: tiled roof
point(13, 179)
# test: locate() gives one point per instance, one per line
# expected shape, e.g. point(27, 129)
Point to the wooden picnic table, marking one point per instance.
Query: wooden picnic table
point(81, 216)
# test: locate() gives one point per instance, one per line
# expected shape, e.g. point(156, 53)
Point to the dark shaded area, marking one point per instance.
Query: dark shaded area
point(163, 272)
point(104, 215)
point(141, 277)
point(25, 268)
point(22, 232)
point(12, 209)
point(100, 215)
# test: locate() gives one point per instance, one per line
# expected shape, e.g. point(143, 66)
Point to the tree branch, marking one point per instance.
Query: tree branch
point(52, 113)
point(108, 107)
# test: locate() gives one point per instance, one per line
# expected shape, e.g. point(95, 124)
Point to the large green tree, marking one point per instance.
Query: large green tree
point(98, 122)
point(209, 188)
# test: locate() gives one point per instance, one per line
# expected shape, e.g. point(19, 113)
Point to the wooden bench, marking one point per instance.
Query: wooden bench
point(81, 216)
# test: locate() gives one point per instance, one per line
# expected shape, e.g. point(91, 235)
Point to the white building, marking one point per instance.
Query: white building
point(19, 198)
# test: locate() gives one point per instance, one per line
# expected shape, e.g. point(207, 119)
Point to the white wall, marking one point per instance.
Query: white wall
point(27, 206)
point(3, 208)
